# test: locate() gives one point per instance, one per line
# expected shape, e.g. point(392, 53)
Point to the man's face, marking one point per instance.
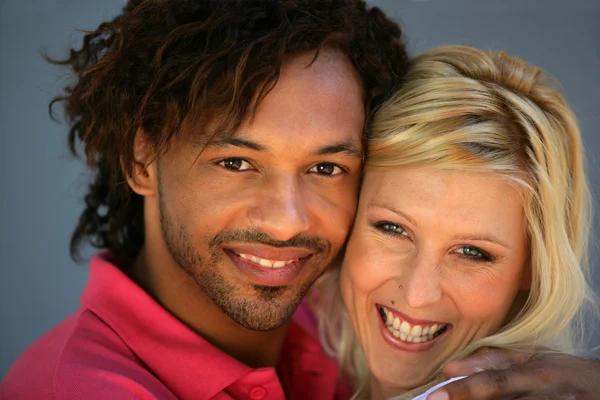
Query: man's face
point(256, 218)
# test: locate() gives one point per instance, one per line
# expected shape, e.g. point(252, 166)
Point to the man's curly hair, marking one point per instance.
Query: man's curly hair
point(162, 61)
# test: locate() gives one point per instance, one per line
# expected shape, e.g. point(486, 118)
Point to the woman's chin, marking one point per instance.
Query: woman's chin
point(400, 366)
point(402, 378)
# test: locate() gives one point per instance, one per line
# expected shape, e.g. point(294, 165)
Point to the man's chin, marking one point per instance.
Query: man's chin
point(262, 326)
point(253, 305)
point(263, 318)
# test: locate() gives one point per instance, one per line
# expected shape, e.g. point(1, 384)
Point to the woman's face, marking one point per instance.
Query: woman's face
point(435, 261)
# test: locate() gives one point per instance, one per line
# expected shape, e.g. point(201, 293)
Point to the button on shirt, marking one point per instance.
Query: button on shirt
point(121, 344)
point(258, 393)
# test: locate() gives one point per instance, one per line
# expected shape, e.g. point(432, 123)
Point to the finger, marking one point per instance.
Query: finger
point(493, 384)
point(562, 393)
point(486, 359)
point(546, 396)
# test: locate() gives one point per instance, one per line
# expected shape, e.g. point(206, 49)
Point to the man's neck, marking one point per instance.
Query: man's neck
point(177, 292)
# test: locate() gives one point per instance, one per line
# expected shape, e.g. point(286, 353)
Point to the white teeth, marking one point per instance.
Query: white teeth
point(407, 333)
point(266, 263)
point(389, 318)
point(405, 328)
point(416, 330)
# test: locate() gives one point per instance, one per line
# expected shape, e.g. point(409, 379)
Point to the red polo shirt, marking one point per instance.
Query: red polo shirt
point(121, 344)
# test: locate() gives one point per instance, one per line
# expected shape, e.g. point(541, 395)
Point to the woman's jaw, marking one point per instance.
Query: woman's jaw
point(401, 361)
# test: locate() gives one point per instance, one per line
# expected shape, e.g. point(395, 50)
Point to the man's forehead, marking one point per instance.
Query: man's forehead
point(320, 108)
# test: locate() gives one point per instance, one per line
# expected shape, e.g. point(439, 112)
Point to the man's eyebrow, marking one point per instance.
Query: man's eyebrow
point(348, 148)
point(237, 142)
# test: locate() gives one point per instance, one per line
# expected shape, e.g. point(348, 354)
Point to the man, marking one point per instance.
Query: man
point(226, 140)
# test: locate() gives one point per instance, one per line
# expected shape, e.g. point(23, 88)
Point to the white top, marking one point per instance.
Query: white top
point(427, 393)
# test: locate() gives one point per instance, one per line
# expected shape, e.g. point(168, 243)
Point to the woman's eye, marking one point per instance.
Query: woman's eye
point(327, 169)
point(474, 253)
point(235, 164)
point(389, 227)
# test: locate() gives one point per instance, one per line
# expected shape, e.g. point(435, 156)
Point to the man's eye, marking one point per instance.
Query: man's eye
point(389, 227)
point(328, 169)
point(235, 164)
point(474, 253)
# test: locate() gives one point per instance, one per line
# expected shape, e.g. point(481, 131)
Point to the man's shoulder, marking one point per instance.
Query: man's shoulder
point(31, 374)
point(82, 357)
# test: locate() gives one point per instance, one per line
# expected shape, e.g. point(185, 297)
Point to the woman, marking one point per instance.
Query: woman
point(471, 228)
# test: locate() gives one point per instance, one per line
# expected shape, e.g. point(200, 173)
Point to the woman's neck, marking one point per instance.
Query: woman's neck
point(380, 391)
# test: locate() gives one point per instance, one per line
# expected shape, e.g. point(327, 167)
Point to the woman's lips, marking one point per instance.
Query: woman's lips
point(410, 320)
point(410, 333)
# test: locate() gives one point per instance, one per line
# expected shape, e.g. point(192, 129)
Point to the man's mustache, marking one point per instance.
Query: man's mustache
point(314, 243)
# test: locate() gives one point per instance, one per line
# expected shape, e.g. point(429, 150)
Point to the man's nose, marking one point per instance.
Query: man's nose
point(281, 211)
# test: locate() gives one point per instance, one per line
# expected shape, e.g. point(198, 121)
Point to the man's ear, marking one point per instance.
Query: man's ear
point(142, 176)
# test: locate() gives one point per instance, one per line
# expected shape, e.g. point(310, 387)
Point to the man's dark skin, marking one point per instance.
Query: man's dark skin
point(207, 207)
point(505, 374)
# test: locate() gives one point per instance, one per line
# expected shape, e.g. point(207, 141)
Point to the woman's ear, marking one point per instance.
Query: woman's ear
point(142, 176)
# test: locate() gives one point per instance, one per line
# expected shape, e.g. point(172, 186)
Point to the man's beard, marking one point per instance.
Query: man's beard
point(265, 307)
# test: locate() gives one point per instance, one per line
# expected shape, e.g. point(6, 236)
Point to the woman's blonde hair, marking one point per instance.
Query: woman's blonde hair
point(467, 109)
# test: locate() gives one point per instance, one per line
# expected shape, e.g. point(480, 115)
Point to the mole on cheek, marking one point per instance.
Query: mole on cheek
point(393, 303)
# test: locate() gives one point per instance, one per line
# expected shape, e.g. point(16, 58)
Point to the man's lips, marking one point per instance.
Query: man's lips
point(269, 253)
point(268, 272)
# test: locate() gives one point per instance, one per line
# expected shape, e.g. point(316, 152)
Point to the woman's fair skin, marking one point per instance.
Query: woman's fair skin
point(441, 250)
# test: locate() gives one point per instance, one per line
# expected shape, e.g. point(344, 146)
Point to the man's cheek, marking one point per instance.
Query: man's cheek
point(340, 215)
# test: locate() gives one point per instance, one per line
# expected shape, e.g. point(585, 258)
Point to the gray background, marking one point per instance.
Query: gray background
point(41, 186)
